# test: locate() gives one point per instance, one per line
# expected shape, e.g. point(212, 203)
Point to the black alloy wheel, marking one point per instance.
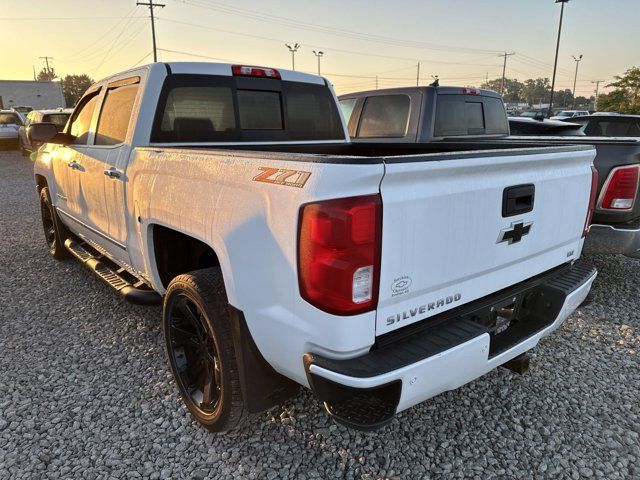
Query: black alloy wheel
point(192, 349)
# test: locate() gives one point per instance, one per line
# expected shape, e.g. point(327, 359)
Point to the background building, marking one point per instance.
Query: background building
point(39, 95)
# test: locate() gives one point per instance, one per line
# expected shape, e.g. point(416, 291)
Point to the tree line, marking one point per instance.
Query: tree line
point(624, 98)
point(73, 86)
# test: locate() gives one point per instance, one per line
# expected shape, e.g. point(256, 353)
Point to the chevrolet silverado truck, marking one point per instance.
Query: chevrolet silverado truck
point(286, 255)
point(443, 114)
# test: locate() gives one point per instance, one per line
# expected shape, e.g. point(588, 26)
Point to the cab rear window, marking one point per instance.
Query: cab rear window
point(459, 115)
point(209, 108)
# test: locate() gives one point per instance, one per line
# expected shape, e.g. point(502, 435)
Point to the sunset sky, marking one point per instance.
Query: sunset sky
point(455, 39)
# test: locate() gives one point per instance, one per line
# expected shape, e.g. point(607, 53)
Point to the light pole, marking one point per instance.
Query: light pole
point(318, 54)
point(575, 79)
point(555, 63)
point(293, 49)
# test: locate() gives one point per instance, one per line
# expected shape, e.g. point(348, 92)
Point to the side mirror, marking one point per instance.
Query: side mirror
point(47, 133)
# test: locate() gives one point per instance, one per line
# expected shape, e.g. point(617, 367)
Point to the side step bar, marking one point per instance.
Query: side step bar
point(119, 279)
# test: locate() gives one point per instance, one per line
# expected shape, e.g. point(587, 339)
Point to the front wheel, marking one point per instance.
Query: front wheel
point(53, 233)
point(199, 346)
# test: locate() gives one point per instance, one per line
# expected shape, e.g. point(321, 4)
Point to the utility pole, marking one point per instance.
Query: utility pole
point(151, 6)
point(318, 54)
point(595, 102)
point(46, 61)
point(293, 49)
point(575, 79)
point(555, 63)
point(376, 82)
point(418, 76)
point(34, 73)
point(504, 69)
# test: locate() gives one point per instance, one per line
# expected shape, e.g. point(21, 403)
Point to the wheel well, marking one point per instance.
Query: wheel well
point(41, 182)
point(177, 253)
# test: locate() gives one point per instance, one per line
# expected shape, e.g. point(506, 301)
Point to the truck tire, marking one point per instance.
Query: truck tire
point(54, 233)
point(199, 347)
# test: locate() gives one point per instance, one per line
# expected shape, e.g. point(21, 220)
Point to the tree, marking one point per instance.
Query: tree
point(73, 86)
point(536, 91)
point(512, 88)
point(625, 98)
point(46, 75)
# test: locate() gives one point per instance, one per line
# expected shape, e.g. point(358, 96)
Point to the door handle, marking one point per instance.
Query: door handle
point(73, 164)
point(112, 173)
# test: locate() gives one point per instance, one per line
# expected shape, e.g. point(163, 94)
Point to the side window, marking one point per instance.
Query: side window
point(347, 105)
point(116, 115)
point(385, 116)
point(81, 121)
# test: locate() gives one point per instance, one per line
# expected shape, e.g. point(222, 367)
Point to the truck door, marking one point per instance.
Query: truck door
point(105, 163)
point(68, 163)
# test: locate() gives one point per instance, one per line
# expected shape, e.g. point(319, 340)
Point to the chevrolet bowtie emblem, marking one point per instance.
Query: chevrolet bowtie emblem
point(515, 232)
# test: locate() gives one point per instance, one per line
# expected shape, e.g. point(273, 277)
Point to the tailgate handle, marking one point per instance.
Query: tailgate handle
point(518, 199)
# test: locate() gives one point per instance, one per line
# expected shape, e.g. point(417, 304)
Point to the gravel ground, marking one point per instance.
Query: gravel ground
point(85, 391)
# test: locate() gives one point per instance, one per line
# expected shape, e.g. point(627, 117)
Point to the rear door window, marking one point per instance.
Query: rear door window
point(384, 116)
point(115, 115)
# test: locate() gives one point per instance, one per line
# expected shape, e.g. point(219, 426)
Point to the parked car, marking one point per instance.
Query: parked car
point(616, 220)
point(58, 117)
point(618, 125)
point(565, 114)
point(543, 126)
point(10, 121)
point(234, 192)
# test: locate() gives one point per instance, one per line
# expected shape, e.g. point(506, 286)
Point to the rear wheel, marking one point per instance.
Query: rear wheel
point(199, 346)
point(52, 227)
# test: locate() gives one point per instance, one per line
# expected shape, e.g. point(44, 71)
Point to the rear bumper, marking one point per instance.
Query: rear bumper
point(366, 392)
point(609, 239)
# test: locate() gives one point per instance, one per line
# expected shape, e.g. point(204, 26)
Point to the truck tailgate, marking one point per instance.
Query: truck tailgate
point(456, 226)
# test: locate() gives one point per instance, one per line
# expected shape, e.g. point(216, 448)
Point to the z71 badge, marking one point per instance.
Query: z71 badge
point(281, 176)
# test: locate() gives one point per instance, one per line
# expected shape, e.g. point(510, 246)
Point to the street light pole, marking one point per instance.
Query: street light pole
point(575, 79)
point(318, 54)
point(555, 63)
point(293, 49)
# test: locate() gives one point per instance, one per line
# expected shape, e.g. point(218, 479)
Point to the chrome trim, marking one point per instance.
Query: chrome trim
point(100, 234)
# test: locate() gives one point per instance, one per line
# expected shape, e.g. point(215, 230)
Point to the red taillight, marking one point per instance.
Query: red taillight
point(620, 188)
point(249, 71)
point(592, 200)
point(470, 91)
point(339, 254)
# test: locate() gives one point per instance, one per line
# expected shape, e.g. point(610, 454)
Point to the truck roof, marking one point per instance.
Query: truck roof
point(224, 69)
point(443, 90)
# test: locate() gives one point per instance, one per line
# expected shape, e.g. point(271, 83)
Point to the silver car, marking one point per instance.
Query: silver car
point(10, 122)
point(58, 117)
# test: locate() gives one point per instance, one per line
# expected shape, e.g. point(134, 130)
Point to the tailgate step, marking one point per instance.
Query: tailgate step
point(132, 289)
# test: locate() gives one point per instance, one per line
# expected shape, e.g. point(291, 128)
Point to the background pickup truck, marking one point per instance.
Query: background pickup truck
point(445, 114)
point(377, 275)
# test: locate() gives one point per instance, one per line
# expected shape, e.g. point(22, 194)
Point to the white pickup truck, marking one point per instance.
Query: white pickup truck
point(285, 255)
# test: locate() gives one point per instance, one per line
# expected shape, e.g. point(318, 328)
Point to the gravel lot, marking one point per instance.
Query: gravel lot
point(85, 391)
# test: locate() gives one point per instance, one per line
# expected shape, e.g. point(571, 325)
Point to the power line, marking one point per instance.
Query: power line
point(294, 23)
point(153, 24)
point(325, 48)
